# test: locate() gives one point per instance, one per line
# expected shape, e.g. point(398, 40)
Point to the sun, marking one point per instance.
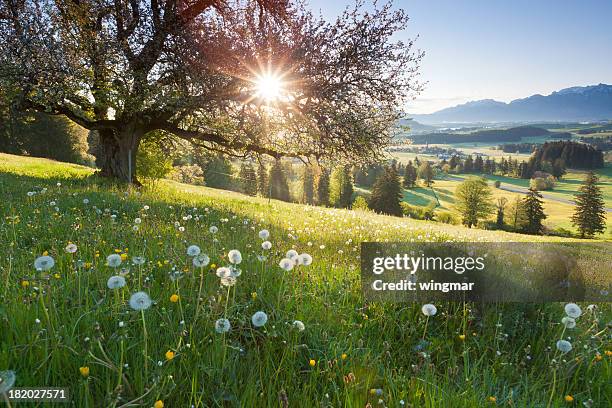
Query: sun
point(268, 87)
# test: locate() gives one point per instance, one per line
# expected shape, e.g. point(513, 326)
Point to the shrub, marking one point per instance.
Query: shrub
point(360, 203)
point(447, 217)
point(497, 184)
point(542, 184)
point(418, 213)
point(189, 174)
point(153, 162)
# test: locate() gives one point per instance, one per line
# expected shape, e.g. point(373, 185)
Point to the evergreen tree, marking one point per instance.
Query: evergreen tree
point(558, 168)
point(248, 178)
point(501, 207)
point(218, 172)
point(323, 188)
point(410, 175)
point(387, 193)
point(478, 164)
point(262, 180)
point(534, 212)
point(468, 165)
point(473, 200)
point(279, 188)
point(426, 173)
point(308, 185)
point(590, 215)
point(341, 188)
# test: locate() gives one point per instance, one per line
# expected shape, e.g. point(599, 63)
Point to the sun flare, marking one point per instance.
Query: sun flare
point(269, 87)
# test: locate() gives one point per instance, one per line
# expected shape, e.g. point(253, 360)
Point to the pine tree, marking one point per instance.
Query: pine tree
point(501, 207)
point(323, 188)
point(248, 179)
point(262, 180)
point(308, 185)
point(279, 188)
point(426, 173)
point(534, 212)
point(387, 193)
point(468, 165)
point(341, 188)
point(590, 214)
point(410, 175)
point(473, 200)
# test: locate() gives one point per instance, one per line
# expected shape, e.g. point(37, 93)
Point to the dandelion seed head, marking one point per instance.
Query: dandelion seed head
point(140, 301)
point(573, 310)
point(429, 310)
point(259, 319)
point(115, 282)
point(44, 263)
point(113, 260)
point(193, 250)
point(234, 256)
point(222, 326)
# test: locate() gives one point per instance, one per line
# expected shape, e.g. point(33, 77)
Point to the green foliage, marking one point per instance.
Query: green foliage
point(308, 185)
point(279, 188)
point(426, 173)
point(418, 213)
point(447, 217)
point(590, 214)
point(534, 212)
point(248, 178)
point(360, 203)
point(189, 174)
point(497, 184)
point(341, 188)
point(387, 193)
point(473, 200)
point(501, 208)
point(262, 179)
point(517, 218)
point(542, 183)
point(153, 161)
point(323, 187)
point(410, 176)
point(218, 172)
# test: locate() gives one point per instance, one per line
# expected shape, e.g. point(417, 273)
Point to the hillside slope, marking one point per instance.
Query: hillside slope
point(128, 315)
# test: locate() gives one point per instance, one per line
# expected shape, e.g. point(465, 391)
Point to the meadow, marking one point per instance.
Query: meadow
point(252, 303)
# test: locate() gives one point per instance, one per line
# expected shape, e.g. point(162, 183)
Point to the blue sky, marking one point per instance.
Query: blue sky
point(502, 49)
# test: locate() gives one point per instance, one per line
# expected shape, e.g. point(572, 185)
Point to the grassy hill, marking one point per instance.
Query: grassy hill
point(65, 327)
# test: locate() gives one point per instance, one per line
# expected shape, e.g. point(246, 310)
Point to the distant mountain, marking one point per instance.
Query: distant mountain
point(579, 103)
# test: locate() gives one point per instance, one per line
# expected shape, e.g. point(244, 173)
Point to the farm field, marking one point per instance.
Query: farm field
point(319, 343)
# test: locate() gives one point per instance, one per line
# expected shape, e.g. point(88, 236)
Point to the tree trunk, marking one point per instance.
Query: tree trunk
point(117, 153)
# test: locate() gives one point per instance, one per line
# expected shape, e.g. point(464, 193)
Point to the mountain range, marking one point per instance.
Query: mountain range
point(576, 104)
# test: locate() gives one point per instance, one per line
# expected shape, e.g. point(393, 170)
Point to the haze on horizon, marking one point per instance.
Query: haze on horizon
point(502, 50)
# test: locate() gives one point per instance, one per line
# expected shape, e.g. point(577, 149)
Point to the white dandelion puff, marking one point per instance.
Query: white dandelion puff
point(305, 259)
point(234, 256)
point(259, 319)
point(224, 272)
point(266, 245)
point(264, 234)
point(293, 255)
point(70, 248)
point(222, 326)
point(137, 221)
point(573, 310)
point(140, 301)
point(7, 380)
point(138, 260)
point(113, 260)
point(564, 346)
point(193, 250)
point(44, 263)
point(115, 282)
point(286, 264)
point(201, 260)
point(568, 322)
point(213, 229)
point(86, 201)
point(429, 310)
point(299, 325)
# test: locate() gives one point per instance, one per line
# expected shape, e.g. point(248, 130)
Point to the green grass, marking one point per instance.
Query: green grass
point(67, 318)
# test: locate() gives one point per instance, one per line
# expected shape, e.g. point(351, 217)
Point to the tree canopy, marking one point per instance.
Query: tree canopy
point(190, 68)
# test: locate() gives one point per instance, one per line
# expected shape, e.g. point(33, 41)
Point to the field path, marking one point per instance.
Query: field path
point(523, 190)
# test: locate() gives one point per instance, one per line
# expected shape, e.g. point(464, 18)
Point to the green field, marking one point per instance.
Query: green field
point(65, 327)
